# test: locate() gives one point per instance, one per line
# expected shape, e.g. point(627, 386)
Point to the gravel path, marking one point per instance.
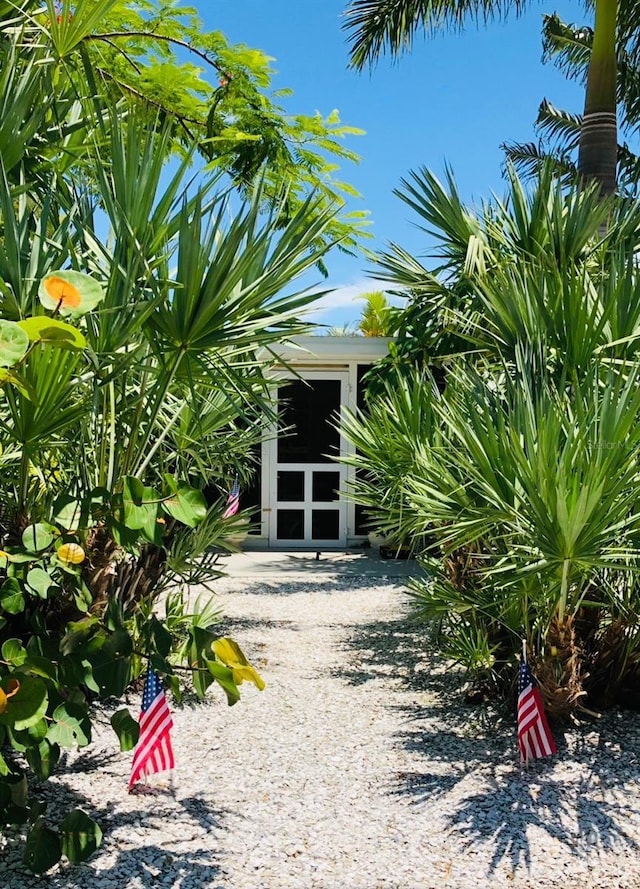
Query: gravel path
point(356, 767)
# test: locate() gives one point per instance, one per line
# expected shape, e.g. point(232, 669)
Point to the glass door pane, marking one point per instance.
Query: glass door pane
point(291, 524)
point(325, 524)
point(290, 486)
point(306, 410)
point(325, 487)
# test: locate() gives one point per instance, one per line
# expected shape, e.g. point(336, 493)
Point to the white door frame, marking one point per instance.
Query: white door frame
point(271, 467)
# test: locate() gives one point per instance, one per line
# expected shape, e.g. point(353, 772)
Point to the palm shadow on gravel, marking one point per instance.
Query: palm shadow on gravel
point(453, 740)
point(501, 815)
point(385, 648)
point(151, 864)
point(297, 585)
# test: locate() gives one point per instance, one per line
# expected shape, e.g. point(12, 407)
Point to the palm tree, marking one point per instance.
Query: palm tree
point(376, 26)
point(568, 47)
point(598, 149)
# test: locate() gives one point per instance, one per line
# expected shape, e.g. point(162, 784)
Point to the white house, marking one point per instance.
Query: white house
point(300, 496)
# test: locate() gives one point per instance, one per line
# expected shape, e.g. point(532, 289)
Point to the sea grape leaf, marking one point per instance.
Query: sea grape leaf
point(68, 512)
point(80, 836)
point(42, 666)
point(139, 502)
point(112, 664)
point(13, 652)
point(43, 758)
point(70, 292)
point(123, 535)
point(82, 597)
point(38, 731)
point(11, 597)
point(160, 637)
point(42, 329)
point(77, 634)
point(29, 703)
point(42, 849)
point(71, 726)
point(40, 581)
point(126, 728)
point(38, 537)
point(153, 528)
point(14, 343)
point(186, 504)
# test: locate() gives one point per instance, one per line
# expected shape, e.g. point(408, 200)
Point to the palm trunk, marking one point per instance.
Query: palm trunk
point(597, 158)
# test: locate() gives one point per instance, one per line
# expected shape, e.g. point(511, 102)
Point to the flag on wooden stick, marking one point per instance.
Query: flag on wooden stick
point(153, 752)
point(534, 735)
point(233, 500)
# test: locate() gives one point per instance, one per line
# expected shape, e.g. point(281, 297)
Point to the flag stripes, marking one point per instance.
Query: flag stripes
point(534, 735)
point(153, 752)
point(233, 500)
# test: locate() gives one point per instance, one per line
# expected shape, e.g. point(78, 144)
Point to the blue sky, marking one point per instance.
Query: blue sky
point(453, 100)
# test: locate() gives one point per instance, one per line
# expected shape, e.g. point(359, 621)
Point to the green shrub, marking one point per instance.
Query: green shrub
point(521, 472)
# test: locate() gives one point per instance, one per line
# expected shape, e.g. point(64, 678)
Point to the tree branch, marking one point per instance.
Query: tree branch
point(151, 36)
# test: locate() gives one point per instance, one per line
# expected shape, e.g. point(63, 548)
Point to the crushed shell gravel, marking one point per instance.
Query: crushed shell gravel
point(358, 766)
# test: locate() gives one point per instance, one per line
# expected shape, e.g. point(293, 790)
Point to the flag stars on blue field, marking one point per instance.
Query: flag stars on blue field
point(152, 688)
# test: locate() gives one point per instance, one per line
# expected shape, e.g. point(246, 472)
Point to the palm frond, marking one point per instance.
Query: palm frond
point(230, 276)
point(568, 47)
point(441, 212)
point(554, 123)
point(530, 158)
point(379, 26)
point(629, 89)
point(628, 169)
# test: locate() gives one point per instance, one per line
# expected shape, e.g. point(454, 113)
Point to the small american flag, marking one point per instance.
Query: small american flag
point(233, 500)
point(153, 751)
point(534, 735)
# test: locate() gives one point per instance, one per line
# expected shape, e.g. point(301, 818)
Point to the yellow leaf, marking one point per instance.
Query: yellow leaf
point(71, 553)
point(70, 292)
point(61, 293)
point(232, 656)
point(229, 652)
point(248, 673)
point(41, 328)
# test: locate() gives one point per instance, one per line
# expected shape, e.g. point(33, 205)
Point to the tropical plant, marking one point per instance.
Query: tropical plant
point(157, 57)
point(568, 47)
point(379, 25)
point(521, 470)
point(443, 316)
point(374, 320)
point(135, 299)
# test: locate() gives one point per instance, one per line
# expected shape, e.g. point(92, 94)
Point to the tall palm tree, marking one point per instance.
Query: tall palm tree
point(377, 26)
point(567, 46)
point(598, 149)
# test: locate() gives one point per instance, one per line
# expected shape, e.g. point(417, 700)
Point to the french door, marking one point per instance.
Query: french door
point(306, 509)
